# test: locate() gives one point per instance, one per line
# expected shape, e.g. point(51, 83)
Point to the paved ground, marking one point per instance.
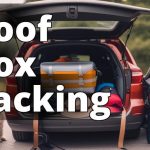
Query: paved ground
point(87, 141)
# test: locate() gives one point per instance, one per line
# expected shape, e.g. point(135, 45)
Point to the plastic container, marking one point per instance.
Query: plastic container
point(75, 76)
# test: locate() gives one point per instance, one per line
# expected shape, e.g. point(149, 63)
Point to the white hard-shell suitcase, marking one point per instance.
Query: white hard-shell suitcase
point(75, 76)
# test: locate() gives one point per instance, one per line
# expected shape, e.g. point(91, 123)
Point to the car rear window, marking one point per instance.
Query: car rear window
point(104, 25)
point(100, 25)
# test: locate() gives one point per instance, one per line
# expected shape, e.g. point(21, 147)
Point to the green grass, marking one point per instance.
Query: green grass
point(2, 85)
point(139, 42)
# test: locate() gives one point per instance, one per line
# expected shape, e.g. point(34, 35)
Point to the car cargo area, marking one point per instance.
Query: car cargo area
point(106, 63)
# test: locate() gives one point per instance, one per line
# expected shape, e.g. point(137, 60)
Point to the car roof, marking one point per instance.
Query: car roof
point(8, 6)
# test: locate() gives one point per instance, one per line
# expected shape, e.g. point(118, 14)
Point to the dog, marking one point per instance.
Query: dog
point(2, 118)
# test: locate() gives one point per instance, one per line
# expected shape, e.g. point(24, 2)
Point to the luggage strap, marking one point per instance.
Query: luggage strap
point(43, 143)
point(120, 140)
point(36, 132)
point(122, 130)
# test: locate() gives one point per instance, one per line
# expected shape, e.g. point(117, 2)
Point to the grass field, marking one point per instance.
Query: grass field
point(2, 85)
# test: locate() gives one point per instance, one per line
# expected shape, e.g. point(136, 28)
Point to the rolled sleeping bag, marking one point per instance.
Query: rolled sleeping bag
point(115, 102)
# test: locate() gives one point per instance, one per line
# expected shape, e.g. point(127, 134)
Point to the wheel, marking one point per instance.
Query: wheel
point(132, 134)
point(22, 136)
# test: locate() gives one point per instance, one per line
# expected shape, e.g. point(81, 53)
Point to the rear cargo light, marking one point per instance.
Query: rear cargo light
point(137, 76)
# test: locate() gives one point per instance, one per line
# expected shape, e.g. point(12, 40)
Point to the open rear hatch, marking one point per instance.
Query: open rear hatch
point(112, 19)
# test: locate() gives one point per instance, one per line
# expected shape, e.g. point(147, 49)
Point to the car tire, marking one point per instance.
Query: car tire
point(22, 136)
point(132, 134)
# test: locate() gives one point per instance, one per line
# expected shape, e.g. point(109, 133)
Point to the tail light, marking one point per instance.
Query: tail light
point(136, 92)
point(11, 80)
point(137, 76)
point(11, 88)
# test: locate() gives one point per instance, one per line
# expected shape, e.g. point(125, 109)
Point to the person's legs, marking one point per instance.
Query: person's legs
point(2, 117)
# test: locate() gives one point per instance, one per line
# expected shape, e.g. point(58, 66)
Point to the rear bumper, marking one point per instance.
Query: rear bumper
point(78, 125)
